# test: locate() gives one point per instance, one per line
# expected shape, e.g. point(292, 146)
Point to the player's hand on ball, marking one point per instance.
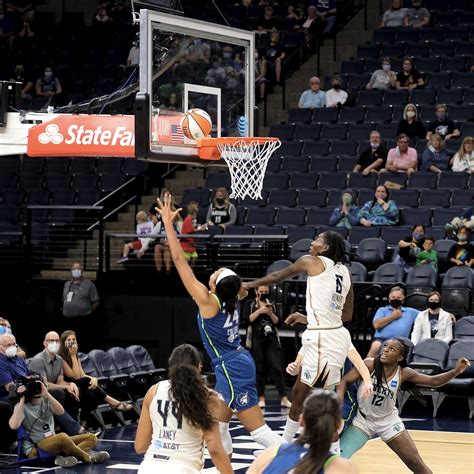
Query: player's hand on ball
point(296, 318)
point(367, 390)
point(293, 368)
point(164, 208)
point(462, 364)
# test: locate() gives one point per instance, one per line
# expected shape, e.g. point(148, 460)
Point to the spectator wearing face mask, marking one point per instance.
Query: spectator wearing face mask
point(410, 125)
point(383, 79)
point(461, 253)
point(373, 159)
point(48, 86)
point(434, 322)
point(6, 328)
point(221, 212)
point(409, 248)
point(435, 158)
point(417, 16)
point(444, 127)
point(347, 213)
point(335, 97)
point(393, 320)
point(11, 366)
point(409, 78)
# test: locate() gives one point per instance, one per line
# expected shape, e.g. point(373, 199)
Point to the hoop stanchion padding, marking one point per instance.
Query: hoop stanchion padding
point(246, 158)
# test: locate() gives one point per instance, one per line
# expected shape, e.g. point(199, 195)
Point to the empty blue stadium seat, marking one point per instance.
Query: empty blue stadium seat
point(435, 198)
point(304, 180)
point(318, 216)
point(325, 115)
point(420, 180)
point(276, 180)
point(320, 147)
point(358, 180)
point(289, 148)
point(282, 197)
point(312, 198)
point(289, 217)
point(413, 217)
point(335, 180)
point(308, 132)
point(359, 233)
point(260, 216)
point(443, 216)
point(299, 115)
point(334, 132)
point(405, 197)
point(283, 132)
point(323, 164)
point(392, 235)
point(294, 164)
point(296, 233)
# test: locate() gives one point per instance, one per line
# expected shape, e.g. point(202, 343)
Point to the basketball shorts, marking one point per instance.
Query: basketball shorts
point(324, 353)
point(387, 428)
point(235, 380)
point(136, 245)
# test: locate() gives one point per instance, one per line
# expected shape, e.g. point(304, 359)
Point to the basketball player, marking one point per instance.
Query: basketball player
point(218, 321)
point(310, 453)
point(178, 417)
point(329, 300)
point(378, 414)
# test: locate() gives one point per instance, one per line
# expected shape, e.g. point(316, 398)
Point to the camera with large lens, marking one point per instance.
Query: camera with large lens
point(32, 383)
point(264, 323)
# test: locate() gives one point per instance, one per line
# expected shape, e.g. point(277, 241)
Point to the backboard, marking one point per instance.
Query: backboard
point(186, 63)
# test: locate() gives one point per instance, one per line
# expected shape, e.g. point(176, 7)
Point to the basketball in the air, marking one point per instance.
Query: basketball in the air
point(196, 124)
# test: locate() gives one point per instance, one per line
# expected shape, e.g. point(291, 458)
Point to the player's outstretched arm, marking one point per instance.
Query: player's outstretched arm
point(351, 377)
point(410, 375)
point(195, 288)
point(361, 367)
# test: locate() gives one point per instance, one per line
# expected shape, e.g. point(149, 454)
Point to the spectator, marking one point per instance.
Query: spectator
point(260, 75)
point(25, 32)
point(410, 125)
point(91, 393)
point(165, 192)
point(11, 365)
point(48, 86)
point(133, 59)
point(144, 228)
point(161, 252)
point(275, 54)
point(6, 328)
point(433, 323)
point(409, 248)
point(35, 414)
point(347, 213)
point(268, 23)
point(327, 11)
point(199, 51)
point(221, 212)
point(466, 220)
point(444, 127)
point(335, 97)
point(428, 256)
point(394, 17)
point(383, 79)
point(417, 16)
point(435, 158)
point(292, 13)
point(373, 159)
point(312, 25)
point(461, 253)
point(464, 158)
point(19, 75)
point(313, 98)
point(263, 342)
point(80, 299)
point(190, 225)
point(409, 78)
point(102, 16)
point(380, 211)
point(402, 158)
point(394, 320)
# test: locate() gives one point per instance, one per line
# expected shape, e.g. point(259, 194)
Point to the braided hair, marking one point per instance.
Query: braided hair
point(321, 415)
point(336, 247)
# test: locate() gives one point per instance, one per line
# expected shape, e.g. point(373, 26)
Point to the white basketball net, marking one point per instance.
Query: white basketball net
point(247, 161)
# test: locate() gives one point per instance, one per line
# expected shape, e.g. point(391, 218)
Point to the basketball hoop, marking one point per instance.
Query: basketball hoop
point(246, 158)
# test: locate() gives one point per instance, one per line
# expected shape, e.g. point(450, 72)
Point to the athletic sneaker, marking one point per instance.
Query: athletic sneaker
point(123, 260)
point(65, 461)
point(99, 456)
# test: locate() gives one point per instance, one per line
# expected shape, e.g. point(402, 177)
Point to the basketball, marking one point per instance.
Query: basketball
point(196, 124)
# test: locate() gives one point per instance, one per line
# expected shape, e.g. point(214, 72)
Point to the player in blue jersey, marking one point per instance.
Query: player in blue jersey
point(310, 453)
point(218, 321)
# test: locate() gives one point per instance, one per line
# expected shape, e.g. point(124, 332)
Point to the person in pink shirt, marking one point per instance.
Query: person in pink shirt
point(402, 158)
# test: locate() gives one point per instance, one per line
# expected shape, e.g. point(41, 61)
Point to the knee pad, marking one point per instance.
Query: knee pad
point(225, 437)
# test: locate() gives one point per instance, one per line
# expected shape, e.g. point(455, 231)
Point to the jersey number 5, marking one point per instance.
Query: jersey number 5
point(339, 279)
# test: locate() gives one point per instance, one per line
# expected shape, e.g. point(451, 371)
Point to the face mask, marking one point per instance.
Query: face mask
point(10, 351)
point(220, 201)
point(441, 115)
point(395, 303)
point(5, 330)
point(76, 273)
point(410, 114)
point(347, 199)
point(433, 304)
point(374, 145)
point(53, 347)
point(386, 67)
point(462, 237)
point(337, 86)
point(417, 235)
point(48, 74)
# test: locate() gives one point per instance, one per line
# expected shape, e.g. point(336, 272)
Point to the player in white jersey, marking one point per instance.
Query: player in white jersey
point(179, 416)
point(329, 300)
point(378, 415)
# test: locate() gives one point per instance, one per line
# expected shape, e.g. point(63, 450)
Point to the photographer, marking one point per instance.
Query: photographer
point(34, 412)
point(262, 340)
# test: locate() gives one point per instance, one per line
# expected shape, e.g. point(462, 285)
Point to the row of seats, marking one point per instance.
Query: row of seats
point(439, 48)
point(371, 111)
point(42, 197)
point(436, 35)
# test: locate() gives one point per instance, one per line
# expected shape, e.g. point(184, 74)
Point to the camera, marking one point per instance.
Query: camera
point(33, 385)
point(264, 323)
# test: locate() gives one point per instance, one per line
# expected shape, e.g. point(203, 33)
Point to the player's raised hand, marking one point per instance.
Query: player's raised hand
point(164, 208)
point(296, 318)
point(461, 365)
point(367, 390)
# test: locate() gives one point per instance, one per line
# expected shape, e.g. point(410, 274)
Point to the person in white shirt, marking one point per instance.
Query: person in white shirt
point(434, 322)
point(383, 79)
point(144, 228)
point(464, 159)
point(336, 96)
point(133, 55)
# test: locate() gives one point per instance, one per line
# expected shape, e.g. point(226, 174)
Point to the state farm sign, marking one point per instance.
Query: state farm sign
point(83, 135)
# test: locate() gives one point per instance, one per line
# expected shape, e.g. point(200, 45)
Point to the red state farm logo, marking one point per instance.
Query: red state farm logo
point(51, 135)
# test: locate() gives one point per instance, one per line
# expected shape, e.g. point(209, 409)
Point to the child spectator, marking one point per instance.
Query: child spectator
point(428, 256)
point(188, 244)
point(144, 228)
point(462, 253)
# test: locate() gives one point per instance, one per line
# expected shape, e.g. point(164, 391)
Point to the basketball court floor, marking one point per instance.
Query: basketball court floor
point(446, 444)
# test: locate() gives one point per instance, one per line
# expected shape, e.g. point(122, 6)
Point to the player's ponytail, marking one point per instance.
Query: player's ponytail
point(188, 389)
point(227, 290)
point(321, 415)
